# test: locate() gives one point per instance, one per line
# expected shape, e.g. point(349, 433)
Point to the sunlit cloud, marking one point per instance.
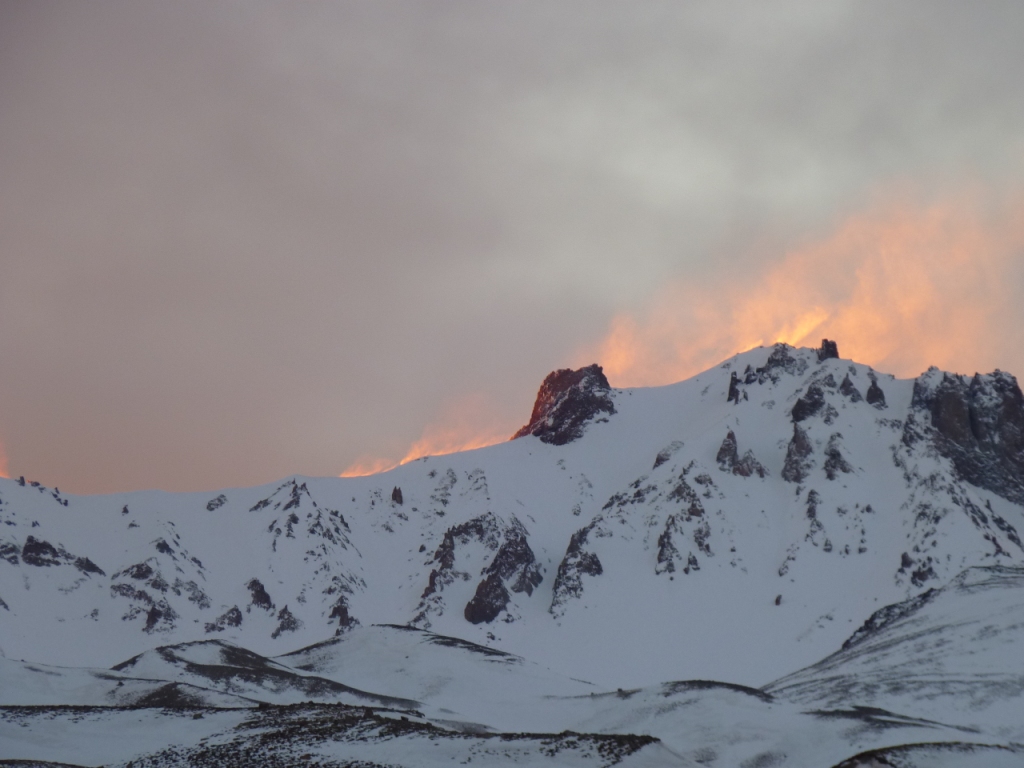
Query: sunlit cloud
point(4, 471)
point(901, 287)
point(465, 424)
point(368, 465)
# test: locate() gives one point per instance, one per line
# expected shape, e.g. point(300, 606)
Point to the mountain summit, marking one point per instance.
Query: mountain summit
point(786, 489)
point(786, 516)
point(566, 402)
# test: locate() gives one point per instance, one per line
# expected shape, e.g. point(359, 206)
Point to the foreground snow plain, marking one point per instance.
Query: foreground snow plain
point(821, 568)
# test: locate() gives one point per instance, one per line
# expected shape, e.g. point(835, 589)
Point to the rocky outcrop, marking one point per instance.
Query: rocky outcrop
point(780, 361)
point(811, 403)
point(734, 389)
point(514, 567)
point(828, 350)
point(230, 618)
point(340, 612)
point(567, 401)
point(834, 459)
point(729, 459)
point(44, 554)
point(668, 552)
point(396, 496)
point(848, 390)
point(259, 596)
point(978, 424)
point(490, 600)
point(215, 503)
point(286, 622)
point(875, 395)
point(798, 457)
point(578, 562)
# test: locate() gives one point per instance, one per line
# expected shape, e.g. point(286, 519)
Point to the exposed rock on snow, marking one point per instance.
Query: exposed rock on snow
point(729, 460)
point(834, 460)
point(828, 350)
point(849, 390)
point(260, 597)
point(566, 402)
point(577, 563)
point(798, 462)
point(809, 404)
point(876, 396)
point(979, 425)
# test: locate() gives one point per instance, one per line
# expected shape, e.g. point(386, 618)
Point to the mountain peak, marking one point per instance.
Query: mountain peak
point(828, 350)
point(566, 401)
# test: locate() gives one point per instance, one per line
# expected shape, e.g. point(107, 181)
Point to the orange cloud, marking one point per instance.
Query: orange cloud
point(464, 425)
point(4, 472)
point(368, 465)
point(900, 287)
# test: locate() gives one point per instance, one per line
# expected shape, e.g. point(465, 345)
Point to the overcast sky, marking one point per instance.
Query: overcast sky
point(240, 240)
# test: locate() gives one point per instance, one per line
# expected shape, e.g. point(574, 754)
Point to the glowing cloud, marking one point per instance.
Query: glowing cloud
point(464, 425)
point(4, 472)
point(901, 287)
point(368, 465)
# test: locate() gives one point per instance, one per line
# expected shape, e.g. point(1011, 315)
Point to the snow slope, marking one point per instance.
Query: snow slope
point(941, 669)
point(657, 516)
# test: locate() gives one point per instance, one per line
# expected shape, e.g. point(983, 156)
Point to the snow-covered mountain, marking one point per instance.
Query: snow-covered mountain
point(785, 507)
point(786, 489)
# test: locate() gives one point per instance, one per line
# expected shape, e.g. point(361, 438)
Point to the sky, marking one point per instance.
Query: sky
point(241, 240)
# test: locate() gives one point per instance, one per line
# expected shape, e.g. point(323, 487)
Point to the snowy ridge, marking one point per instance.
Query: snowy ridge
point(785, 507)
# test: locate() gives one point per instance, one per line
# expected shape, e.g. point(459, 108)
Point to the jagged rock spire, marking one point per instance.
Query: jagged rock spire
point(566, 401)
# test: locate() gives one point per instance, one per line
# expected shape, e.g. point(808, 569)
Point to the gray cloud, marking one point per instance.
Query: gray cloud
point(239, 240)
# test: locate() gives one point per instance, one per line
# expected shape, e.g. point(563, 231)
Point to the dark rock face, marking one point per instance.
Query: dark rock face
point(140, 571)
point(340, 612)
point(43, 554)
point(668, 553)
point(734, 389)
point(578, 561)
point(728, 453)
point(513, 567)
point(798, 461)
point(85, 565)
point(514, 562)
point(491, 599)
point(834, 460)
point(484, 529)
point(979, 425)
point(39, 553)
point(729, 459)
point(216, 503)
point(230, 618)
point(396, 496)
point(828, 350)
point(566, 402)
point(160, 616)
point(260, 598)
point(286, 622)
point(876, 396)
point(810, 404)
point(848, 390)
